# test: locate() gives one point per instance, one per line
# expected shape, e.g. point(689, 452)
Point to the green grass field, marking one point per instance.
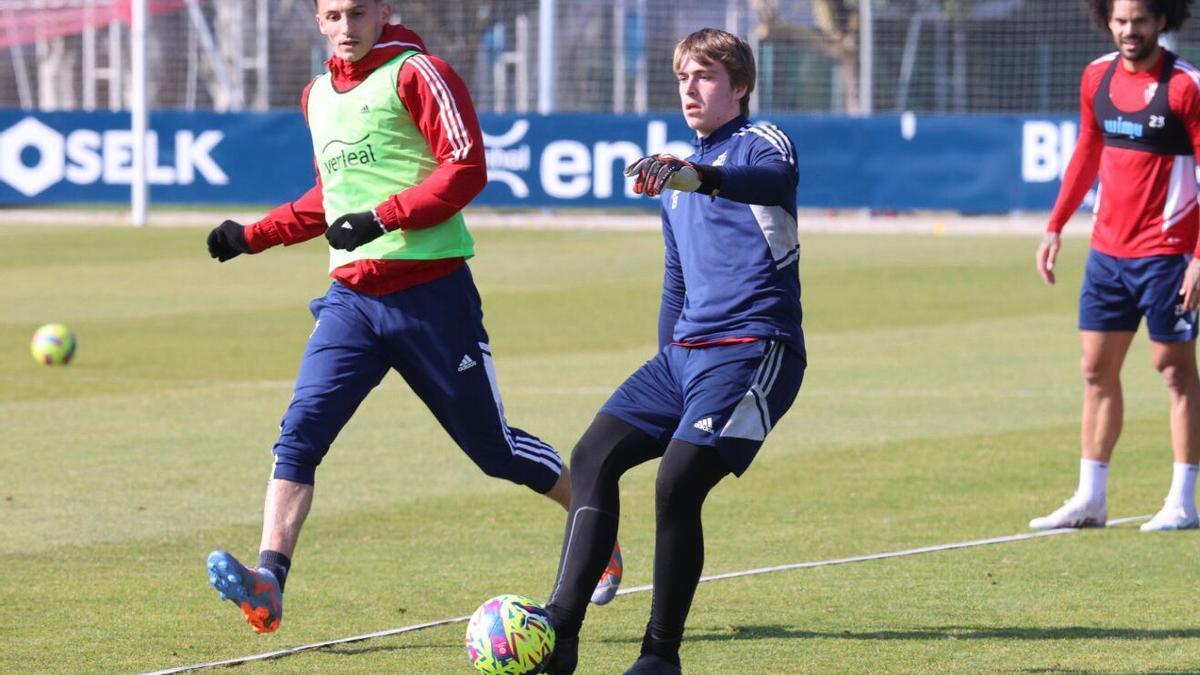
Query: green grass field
point(940, 405)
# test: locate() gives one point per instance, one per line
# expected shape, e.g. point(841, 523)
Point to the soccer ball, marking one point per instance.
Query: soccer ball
point(53, 344)
point(509, 635)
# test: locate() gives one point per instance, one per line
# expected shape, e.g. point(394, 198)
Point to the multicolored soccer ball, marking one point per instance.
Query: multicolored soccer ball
point(53, 344)
point(509, 635)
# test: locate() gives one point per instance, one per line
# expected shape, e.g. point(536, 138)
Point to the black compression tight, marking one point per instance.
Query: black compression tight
point(608, 449)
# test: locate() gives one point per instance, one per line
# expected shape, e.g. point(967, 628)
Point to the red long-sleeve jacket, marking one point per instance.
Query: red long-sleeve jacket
point(441, 108)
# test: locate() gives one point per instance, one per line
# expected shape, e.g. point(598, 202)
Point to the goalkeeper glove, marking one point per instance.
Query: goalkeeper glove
point(355, 229)
point(227, 241)
point(654, 173)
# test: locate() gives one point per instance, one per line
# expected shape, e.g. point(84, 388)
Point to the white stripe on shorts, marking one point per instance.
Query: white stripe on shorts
point(751, 418)
point(526, 448)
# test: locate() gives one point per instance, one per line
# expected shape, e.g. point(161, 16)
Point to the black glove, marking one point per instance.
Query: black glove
point(227, 241)
point(654, 173)
point(355, 229)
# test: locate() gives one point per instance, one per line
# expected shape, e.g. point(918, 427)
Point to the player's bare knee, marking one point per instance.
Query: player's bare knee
point(1097, 372)
point(1180, 378)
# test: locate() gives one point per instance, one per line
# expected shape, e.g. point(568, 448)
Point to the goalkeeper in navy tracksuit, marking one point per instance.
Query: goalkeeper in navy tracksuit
point(731, 354)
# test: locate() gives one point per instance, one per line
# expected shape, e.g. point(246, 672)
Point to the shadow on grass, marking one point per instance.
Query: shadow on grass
point(774, 631)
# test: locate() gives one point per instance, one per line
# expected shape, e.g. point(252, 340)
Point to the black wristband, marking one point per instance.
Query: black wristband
point(710, 179)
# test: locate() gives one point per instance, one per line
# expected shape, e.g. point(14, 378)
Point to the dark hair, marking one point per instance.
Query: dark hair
point(1176, 11)
point(710, 45)
point(316, 6)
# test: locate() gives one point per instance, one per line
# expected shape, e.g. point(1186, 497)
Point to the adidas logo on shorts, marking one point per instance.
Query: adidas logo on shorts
point(704, 425)
point(467, 362)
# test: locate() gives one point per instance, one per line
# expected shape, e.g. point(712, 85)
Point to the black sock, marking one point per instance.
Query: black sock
point(277, 563)
point(664, 649)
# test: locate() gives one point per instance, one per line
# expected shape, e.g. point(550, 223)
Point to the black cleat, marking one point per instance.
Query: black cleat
point(650, 664)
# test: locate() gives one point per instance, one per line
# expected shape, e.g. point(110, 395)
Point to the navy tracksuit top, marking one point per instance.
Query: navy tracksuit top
point(732, 259)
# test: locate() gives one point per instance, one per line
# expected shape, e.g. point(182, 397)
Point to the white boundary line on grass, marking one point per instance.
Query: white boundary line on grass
point(641, 589)
point(892, 554)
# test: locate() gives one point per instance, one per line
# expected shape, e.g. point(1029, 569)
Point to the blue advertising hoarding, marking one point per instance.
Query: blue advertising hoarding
point(965, 163)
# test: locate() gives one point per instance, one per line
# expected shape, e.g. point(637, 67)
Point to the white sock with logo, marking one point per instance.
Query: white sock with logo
point(1183, 486)
point(1093, 481)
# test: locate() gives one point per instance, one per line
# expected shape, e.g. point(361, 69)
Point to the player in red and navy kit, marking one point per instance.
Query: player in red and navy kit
point(399, 154)
point(731, 350)
point(1140, 132)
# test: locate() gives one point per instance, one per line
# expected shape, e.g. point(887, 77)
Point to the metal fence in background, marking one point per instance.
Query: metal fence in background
point(824, 56)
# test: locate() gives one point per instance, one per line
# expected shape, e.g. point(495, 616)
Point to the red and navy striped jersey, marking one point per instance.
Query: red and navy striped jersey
point(1146, 202)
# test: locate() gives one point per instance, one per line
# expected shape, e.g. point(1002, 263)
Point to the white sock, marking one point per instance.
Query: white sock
point(1093, 481)
point(1183, 485)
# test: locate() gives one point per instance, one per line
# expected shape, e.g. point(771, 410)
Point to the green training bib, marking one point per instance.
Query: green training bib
point(367, 149)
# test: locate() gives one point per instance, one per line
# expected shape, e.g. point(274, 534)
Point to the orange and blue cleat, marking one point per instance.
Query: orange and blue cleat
point(610, 581)
point(255, 591)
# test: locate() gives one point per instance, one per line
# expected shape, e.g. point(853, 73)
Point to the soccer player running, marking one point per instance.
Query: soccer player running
point(1140, 131)
point(399, 153)
point(731, 351)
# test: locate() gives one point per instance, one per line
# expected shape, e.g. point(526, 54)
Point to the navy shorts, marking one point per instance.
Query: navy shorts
point(727, 397)
point(433, 335)
point(1118, 292)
